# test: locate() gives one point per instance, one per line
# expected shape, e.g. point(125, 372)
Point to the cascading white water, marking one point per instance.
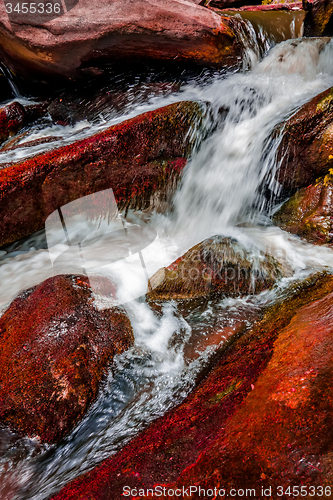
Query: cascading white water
point(219, 190)
point(220, 184)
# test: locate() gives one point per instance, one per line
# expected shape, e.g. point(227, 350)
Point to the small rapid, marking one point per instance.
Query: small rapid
point(220, 193)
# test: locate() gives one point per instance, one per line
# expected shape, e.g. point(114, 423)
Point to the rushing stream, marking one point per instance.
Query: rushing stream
point(219, 194)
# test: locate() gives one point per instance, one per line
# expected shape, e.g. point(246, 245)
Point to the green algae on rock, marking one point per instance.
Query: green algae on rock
point(309, 212)
point(191, 443)
point(55, 347)
point(306, 149)
point(317, 21)
point(216, 266)
point(140, 159)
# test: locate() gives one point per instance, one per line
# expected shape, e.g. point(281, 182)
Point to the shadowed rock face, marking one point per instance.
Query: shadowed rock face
point(14, 116)
point(309, 212)
point(217, 266)
point(224, 4)
point(293, 6)
point(119, 32)
point(262, 417)
point(55, 347)
point(318, 21)
point(139, 159)
point(305, 152)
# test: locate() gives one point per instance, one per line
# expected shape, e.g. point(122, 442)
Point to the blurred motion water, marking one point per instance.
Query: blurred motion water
point(219, 194)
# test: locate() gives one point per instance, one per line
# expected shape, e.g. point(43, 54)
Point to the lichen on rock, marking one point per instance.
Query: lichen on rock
point(55, 348)
point(215, 267)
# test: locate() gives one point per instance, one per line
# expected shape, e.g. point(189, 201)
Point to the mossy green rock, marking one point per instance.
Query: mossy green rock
point(217, 266)
point(318, 17)
point(309, 212)
point(306, 149)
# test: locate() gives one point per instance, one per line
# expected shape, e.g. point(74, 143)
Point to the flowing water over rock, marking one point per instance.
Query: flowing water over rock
point(221, 194)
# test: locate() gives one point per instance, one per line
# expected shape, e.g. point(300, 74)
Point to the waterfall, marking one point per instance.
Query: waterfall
point(220, 193)
point(220, 186)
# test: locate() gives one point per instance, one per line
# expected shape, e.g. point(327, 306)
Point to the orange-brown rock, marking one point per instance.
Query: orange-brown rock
point(216, 266)
point(261, 418)
point(55, 348)
point(139, 159)
point(309, 212)
point(318, 21)
point(118, 32)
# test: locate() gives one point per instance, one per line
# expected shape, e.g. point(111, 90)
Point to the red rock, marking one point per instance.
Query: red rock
point(308, 213)
point(217, 266)
point(305, 150)
point(318, 17)
point(244, 423)
point(55, 347)
point(118, 32)
point(282, 434)
point(14, 116)
point(138, 159)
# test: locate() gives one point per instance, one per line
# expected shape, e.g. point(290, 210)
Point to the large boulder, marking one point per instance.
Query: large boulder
point(309, 212)
point(118, 32)
point(262, 417)
point(305, 152)
point(281, 436)
point(137, 158)
point(55, 347)
point(217, 266)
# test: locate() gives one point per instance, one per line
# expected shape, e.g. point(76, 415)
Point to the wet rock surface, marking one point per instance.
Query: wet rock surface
point(305, 150)
point(217, 266)
point(308, 213)
point(140, 159)
point(71, 107)
point(119, 32)
point(318, 20)
point(55, 348)
point(14, 116)
point(262, 417)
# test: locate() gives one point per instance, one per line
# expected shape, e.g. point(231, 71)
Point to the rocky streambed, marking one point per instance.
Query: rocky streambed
point(166, 250)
